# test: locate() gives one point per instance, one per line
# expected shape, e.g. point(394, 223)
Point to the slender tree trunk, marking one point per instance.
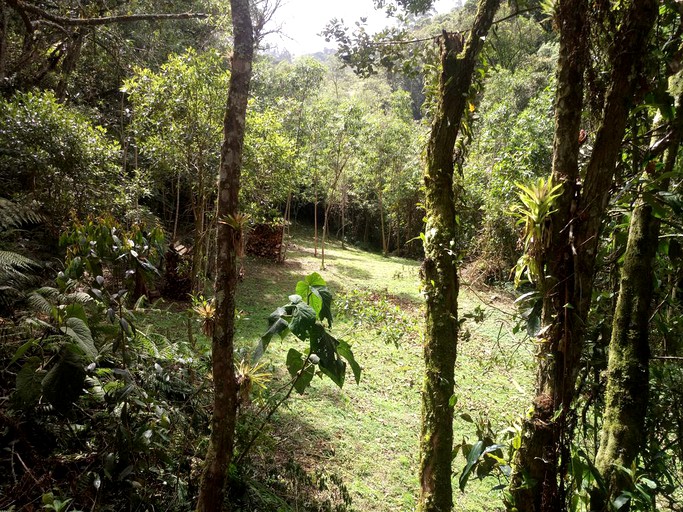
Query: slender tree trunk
point(439, 270)
point(315, 224)
point(532, 475)
point(73, 52)
point(4, 19)
point(177, 208)
point(343, 217)
point(542, 459)
point(324, 237)
point(627, 391)
point(385, 241)
point(219, 453)
point(285, 229)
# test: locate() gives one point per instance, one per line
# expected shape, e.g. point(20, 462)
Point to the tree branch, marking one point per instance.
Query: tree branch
point(106, 20)
point(435, 37)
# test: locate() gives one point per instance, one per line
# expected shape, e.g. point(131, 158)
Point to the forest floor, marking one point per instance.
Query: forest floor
point(367, 434)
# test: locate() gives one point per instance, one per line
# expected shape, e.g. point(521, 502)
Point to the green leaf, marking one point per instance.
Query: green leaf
point(649, 483)
point(64, 383)
point(22, 350)
point(28, 382)
point(77, 311)
point(325, 312)
point(533, 318)
point(325, 347)
point(472, 459)
point(79, 332)
point(279, 327)
point(344, 350)
point(621, 501)
point(303, 318)
point(314, 291)
point(295, 363)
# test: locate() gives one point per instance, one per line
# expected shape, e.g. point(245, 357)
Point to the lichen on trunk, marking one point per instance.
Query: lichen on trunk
point(221, 443)
point(440, 268)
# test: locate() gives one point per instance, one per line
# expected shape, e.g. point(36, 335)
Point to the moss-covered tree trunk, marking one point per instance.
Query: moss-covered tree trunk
point(627, 391)
point(541, 462)
point(536, 462)
point(440, 268)
point(219, 453)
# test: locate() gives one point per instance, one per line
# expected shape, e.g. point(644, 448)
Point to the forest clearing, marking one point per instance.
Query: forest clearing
point(433, 266)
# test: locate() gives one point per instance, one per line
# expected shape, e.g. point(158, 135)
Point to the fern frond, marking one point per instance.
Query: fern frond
point(9, 259)
point(13, 215)
point(80, 297)
point(38, 302)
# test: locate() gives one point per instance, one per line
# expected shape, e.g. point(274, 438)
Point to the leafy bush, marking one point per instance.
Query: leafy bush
point(54, 154)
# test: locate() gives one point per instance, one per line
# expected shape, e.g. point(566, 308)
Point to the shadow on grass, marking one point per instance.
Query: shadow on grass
point(286, 470)
point(354, 272)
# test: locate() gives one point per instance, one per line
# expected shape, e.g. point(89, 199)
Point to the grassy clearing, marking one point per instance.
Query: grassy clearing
point(368, 433)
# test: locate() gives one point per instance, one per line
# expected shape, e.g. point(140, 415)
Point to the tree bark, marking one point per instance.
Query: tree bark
point(541, 461)
point(219, 453)
point(439, 271)
point(4, 21)
point(627, 391)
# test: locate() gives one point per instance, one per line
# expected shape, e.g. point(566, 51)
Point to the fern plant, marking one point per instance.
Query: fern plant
point(18, 273)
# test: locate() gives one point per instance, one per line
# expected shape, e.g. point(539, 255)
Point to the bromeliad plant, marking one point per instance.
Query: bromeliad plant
point(533, 214)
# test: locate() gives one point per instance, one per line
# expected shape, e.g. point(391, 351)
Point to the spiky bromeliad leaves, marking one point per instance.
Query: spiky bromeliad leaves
point(533, 214)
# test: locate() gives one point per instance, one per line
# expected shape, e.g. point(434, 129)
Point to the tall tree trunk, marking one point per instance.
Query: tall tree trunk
point(547, 434)
point(73, 53)
point(4, 22)
point(627, 391)
point(385, 241)
point(343, 217)
point(177, 209)
point(219, 453)
point(315, 224)
point(440, 272)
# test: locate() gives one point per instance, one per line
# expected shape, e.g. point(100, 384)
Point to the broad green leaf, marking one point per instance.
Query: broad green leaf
point(621, 501)
point(22, 350)
point(303, 319)
point(314, 292)
point(325, 312)
point(344, 350)
point(295, 363)
point(79, 332)
point(64, 383)
point(77, 311)
point(28, 382)
point(279, 327)
point(325, 347)
point(472, 459)
point(533, 318)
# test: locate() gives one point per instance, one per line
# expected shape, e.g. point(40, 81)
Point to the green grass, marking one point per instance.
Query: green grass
point(368, 433)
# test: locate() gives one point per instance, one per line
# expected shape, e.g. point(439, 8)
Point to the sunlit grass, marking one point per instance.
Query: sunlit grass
point(368, 433)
